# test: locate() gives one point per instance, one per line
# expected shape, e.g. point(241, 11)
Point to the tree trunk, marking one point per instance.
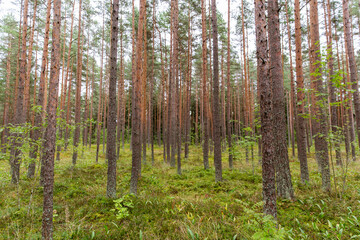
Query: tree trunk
point(91, 105)
point(332, 86)
point(320, 127)
point(349, 104)
point(216, 100)
point(98, 124)
point(18, 61)
point(5, 133)
point(50, 132)
point(204, 93)
point(65, 81)
point(19, 115)
point(188, 92)
point(68, 107)
point(283, 175)
point(136, 141)
point(293, 114)
point(111, 124)
point(86, 112)
point(176, 116)
point(78, 92)
point(228, 102)
point(143, 132)
point(151, 120)
point(121, 98)
point(301, 137)
point(352, 64)
point(263, 69)
point(28, 66)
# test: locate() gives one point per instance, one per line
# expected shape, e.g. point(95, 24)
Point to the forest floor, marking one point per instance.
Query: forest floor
point(169, 206)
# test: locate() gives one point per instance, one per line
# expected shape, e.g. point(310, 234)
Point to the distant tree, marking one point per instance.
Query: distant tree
point(40, 101)
point(19, 115)
point(228, 102)
point(98, 125)
point(78, 91)
point(352, 63)
point(301, 138)
point(320, 128)
point(205, 129)
point(135, 140)
point(216, 100)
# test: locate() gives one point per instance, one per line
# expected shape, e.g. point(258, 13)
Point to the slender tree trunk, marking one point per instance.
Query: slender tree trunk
point(64, 81)
point(246, 82)
point(18, 60)
point(28, 66)
point(169, 100)
point(86, 112)
point(188, 91)
point(228, 102)
point(151, 119)
point(19, 115)
point(78, 92)
point(349, 104)
point(136, 141)
point(98, 124)
point(332, 85)
point(105, 114)
point(68, 107)
point(321, 146)
point(223, 109)
point(205, 98)
point(5, 133)
point(311, 96)
point(176, 115)
point(352, 64)
point(121, 98)
point(163, 88)
point(143, 94)
point(301, 137)
point(111, 124)
point(216, 100)
point(50, 132)
point(293, 113)
point(91, 105)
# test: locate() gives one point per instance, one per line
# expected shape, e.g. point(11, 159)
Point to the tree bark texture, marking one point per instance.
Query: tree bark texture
point(283, 175)
point(111, 124)
point(268, 167)
point(48, 155)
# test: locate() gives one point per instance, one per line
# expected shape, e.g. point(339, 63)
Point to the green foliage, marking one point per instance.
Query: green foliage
point(263, 226)
point(122, 206)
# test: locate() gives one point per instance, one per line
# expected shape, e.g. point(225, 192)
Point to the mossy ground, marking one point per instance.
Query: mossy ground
point(169, 206)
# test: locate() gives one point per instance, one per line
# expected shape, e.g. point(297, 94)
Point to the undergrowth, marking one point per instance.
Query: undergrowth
point(169, 206)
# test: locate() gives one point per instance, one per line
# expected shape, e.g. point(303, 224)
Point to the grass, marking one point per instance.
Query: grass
point(169, 206)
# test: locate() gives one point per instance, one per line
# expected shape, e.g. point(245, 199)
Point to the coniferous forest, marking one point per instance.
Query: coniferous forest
point(179, 119)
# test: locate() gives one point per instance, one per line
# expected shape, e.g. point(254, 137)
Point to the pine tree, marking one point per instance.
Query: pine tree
point(49, 145)
point(268, 166)
point(111, 124)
